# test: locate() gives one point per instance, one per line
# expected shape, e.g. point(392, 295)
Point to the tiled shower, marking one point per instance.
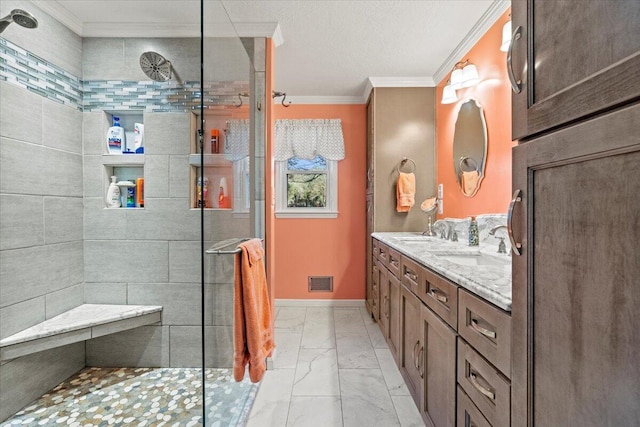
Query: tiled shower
point(60, 247)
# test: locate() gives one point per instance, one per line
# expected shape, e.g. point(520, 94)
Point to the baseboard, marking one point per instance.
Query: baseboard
point(319, 303)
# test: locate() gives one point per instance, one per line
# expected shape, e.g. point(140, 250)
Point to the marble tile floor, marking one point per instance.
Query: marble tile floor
point(332, 368)
point(157, 397)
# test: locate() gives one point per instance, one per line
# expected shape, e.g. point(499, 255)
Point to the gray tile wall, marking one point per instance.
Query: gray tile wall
point(41, 212)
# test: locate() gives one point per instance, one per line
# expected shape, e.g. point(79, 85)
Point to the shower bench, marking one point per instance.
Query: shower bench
point(81, 323)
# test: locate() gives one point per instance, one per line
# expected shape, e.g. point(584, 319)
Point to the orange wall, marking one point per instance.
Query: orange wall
point(494, 94)
point(327, 247)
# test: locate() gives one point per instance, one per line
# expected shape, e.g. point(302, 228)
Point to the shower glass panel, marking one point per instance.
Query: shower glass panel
point(221, 182)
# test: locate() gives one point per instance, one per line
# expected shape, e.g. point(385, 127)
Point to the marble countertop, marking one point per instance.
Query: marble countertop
point(83, 316)
point(491, 282)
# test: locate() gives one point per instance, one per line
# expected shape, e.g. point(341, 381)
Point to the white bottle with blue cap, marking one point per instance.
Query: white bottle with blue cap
point(115, 137)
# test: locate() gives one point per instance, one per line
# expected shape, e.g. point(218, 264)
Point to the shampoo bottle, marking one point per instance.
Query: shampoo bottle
point(113, 194)
point(474, 238)
point(115, 137)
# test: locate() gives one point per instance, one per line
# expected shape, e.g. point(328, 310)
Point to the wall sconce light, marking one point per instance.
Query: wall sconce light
point(449, 94)
point(464, 74)
point(506, 36)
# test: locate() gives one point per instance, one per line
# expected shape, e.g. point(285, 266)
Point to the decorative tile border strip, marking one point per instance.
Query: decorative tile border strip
point(22, 68)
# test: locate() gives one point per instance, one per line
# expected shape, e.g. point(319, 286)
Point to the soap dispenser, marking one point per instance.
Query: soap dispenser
point(474, 238)
point(113, 194)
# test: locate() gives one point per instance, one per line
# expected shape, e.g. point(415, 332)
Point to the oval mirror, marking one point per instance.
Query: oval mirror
point(470, 147)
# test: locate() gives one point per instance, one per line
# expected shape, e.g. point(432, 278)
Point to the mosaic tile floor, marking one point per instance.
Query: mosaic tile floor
point(172, 397)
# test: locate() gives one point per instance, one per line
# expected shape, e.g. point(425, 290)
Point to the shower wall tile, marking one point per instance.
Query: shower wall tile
point(167, 133)
point(33, 272)
point(184, 261)
point(94, 175)
point(139, 347)
point(95, 125)
point(156, 171)
point(51, 172)
point(63, 219)
point(101, 223)
point(181, 303)
point(61, 127)
point(218, 343)
point(179, 175)
point(63, 300)
point(52, 41)
point(22, 315)
point(21, 221)
point(163, 219)
point(21, 116)
point(105, 293)
point(52, 367)
point(102, 58)
point(218, 304)
point(126, 261)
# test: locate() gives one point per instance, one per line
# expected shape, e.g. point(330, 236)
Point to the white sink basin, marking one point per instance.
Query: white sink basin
point(475, 259)
point(411, 239)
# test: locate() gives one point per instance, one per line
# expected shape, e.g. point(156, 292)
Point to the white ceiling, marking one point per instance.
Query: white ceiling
point(329, 48)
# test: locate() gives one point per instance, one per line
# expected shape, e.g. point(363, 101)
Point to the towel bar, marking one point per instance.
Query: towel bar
point(217, 248)
point(404, 162)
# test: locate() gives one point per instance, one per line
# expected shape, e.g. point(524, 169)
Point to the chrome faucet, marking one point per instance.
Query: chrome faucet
point(445, 230)
point(502, 248)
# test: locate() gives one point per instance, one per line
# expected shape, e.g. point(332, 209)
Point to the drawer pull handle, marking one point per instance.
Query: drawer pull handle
point(420, 363)
point(516, 85)
point(383, 255)
point(385, 302)
point(409, 275)
point(394, 262)
point(515, 246)
point(436, 293)
point(415, 355)
point(484, 331)
point(473, 378)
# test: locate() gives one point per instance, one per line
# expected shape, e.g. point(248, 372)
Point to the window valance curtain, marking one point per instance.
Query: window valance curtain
point(236, 144)
point(309, 138)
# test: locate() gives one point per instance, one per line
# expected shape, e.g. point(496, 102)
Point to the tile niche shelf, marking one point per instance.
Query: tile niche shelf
point(126, 167)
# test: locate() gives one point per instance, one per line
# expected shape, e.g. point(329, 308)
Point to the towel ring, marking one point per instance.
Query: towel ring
point(466, 160)
point(404, 162)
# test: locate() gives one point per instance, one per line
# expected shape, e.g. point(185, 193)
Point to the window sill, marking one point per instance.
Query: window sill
point(316, 215)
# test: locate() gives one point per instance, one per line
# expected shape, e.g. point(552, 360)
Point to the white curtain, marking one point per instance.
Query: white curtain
point(236, 143)
point(309, 138)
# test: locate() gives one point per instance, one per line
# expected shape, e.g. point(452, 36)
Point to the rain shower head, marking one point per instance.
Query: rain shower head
point(155, 66)
point(20, 17)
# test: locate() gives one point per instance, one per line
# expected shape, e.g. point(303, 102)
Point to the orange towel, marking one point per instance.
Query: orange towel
point(405, 192)
point(253, 336)
point(470, 182)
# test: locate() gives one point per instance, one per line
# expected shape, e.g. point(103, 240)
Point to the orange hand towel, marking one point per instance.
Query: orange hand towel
point(470, 182)
point(405, 192)
point(253, 335)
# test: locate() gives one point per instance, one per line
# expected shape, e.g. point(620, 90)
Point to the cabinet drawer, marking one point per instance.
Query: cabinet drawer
point(468, 414)
point(411, 274)
point(383, 253)
point(393, 262)
point(487, 329)
point(485, 386)
point(441, 296)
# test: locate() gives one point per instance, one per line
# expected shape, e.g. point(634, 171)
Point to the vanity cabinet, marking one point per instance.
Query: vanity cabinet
point(575, 346)
point(574, 58)
point(411, 357)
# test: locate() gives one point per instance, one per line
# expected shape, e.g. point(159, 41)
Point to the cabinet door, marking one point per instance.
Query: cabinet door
point(412, 344)
point(438, 366)
point(369, 254)
point(370, 144)
point(394, 316)
point(575, 58)
point(375, 290)
point(576, 287)
point(383, 309)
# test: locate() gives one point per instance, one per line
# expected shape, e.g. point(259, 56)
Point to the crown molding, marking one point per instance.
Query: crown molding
point(495, 11)
point(59, 13)
point(302, 100)
point(396, 82)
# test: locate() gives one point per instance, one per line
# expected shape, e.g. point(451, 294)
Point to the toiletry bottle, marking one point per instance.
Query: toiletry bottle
point(131, 199)
point(113, 194)
point(202, 185)
point(140, 192)
point(138, 138)
point(215, 141)
point(115, 137)
point(223, 199)
point(474, 238)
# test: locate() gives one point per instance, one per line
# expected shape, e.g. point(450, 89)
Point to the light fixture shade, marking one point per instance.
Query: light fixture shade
point(506, 37)
point(456, 79)
point(449, 95)
point(470, 76)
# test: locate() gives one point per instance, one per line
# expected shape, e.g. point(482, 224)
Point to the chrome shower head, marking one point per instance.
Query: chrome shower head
point(20, 17)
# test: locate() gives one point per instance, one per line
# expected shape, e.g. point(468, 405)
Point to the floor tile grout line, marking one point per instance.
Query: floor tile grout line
point(295, 371)
point(338, 368)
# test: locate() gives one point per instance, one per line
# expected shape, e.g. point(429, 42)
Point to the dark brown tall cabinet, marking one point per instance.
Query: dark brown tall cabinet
point(576, 175)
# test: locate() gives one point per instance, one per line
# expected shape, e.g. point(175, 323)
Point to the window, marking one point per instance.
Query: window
point(307, 188)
